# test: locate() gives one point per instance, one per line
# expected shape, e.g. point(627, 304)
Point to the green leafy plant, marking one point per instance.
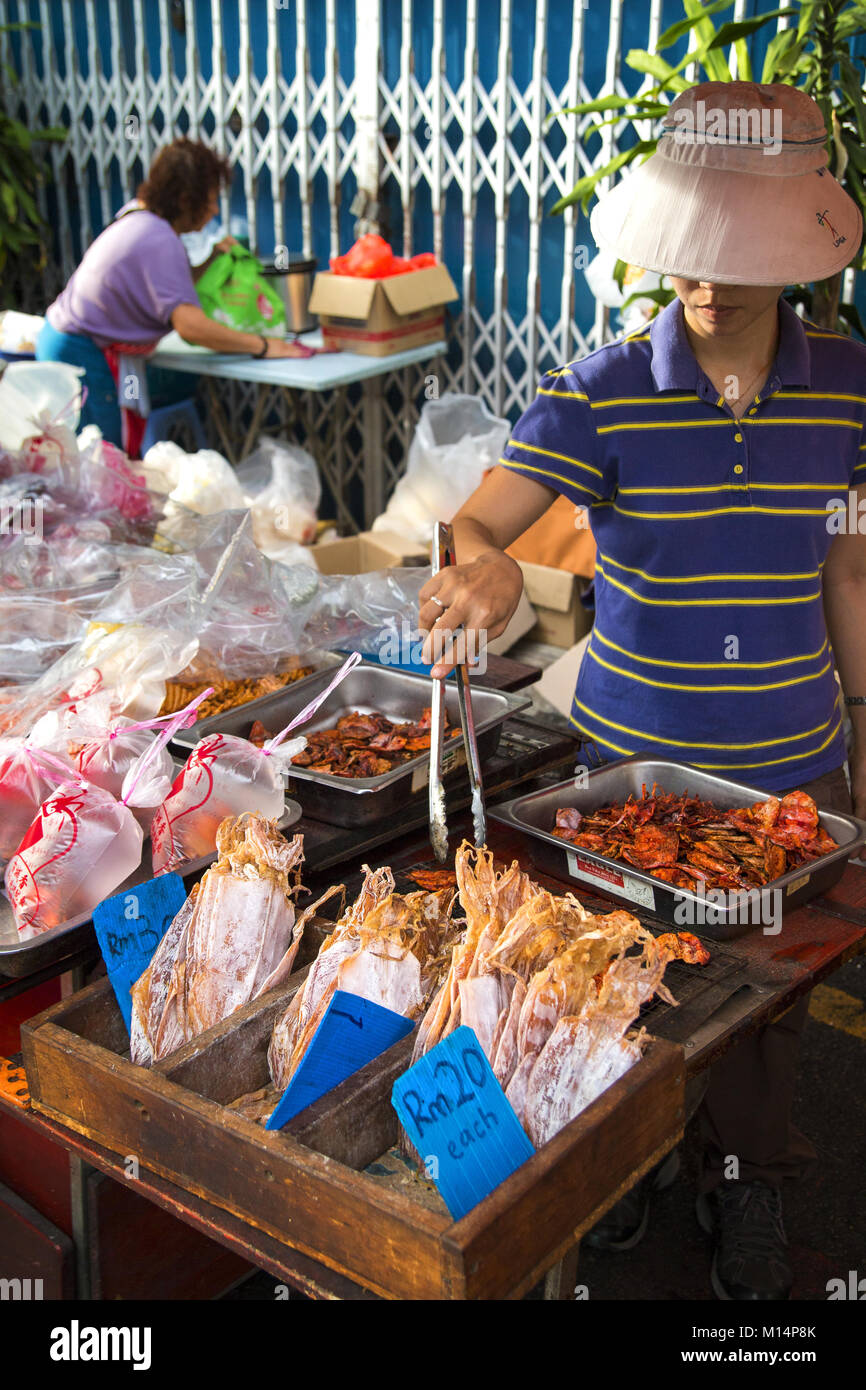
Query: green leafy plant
point(813, 54)
point(21, 169)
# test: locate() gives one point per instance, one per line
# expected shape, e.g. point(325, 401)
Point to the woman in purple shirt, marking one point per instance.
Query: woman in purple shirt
point(135, 283)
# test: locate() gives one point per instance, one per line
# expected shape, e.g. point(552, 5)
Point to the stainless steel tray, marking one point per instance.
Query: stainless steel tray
point(353, 801)
point(19, 958)
point(535, 815)
point(322, 663)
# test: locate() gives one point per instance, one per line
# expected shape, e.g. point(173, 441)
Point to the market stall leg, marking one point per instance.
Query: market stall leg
point(219, 418)
point(374, 472)
point(263, 396)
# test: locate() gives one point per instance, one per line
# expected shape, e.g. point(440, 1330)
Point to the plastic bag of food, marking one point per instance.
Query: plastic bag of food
point(82, 843)
point(76, 553)
point(125, 666)
point(207, 484)
point(27, 775)
point(456, 442)
point(113, 756)
point(282, 487)
point(249, 613)
point(225, 776)
point(109, 482)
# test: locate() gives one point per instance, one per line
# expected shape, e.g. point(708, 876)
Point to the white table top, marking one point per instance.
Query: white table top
point(320, 373)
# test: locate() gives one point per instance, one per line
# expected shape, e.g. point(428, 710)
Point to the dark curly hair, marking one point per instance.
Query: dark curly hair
point(181, 180)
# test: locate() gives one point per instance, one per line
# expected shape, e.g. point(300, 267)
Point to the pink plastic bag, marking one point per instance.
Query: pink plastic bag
point(225, 776)
point(82, 844)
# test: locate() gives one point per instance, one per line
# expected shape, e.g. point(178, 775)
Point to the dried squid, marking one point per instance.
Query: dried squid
point(549, 988)
point(388, 947)
point(235, 937)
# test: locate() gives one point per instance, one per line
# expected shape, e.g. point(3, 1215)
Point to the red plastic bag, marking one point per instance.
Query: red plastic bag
point(371, 258)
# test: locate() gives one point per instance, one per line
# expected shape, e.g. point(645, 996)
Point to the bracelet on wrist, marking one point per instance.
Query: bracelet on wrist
point(855, 699)
point(263, 349)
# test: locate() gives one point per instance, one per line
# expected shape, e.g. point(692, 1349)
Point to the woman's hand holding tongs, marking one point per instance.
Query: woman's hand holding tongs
point(475, 600)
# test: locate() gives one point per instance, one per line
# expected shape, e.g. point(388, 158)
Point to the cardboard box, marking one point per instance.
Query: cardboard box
point(366, 552)
point(555, 596)
point(380, 317)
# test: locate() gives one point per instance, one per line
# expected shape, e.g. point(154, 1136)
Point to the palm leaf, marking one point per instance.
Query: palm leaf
point(683, 26)
point(584, 187)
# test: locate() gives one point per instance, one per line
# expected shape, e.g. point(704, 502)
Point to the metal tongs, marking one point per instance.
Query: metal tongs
point(443, 554)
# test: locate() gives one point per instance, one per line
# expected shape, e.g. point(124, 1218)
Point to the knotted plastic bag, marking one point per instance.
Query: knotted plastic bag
point(113, 755)
point(81, 845)
point(225, 776)
point(26, 778)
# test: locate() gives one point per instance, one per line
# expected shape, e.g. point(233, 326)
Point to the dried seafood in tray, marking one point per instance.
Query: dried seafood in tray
point(692, 843)
point(391, 948)
point(549, 989)
point(360, 745)
point(227, 694)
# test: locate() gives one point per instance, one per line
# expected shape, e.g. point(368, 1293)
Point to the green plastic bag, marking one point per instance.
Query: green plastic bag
point(234, 291)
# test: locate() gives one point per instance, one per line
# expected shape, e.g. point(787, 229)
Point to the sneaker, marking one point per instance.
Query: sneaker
point(750, 1260)
point(625, 1224)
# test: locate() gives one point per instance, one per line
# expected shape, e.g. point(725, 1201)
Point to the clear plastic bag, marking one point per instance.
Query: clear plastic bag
point(220, 612)
point(223, 776)
point(34, 633)
point(249, 614)
point(203, 482)
point(365, 611)
point(110, 758)
point(26, 778)
point(108, 481)
point(110, 672)
point(67, 566)
point(40, 403)
point(82, 843)
point(282, 487)
point(456, 442)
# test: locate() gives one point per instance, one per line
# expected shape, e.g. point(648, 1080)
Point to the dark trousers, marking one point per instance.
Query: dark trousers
point(746, 1107)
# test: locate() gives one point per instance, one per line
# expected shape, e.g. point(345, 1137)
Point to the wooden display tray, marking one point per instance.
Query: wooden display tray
point(305, 1185)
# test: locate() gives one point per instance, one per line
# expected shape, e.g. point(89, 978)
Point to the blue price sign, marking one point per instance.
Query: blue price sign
point(130, 926)
point(352, 1032)
point(456, 1114)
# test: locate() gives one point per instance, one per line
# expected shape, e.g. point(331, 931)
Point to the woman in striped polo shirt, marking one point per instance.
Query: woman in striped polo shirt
point(721, 454)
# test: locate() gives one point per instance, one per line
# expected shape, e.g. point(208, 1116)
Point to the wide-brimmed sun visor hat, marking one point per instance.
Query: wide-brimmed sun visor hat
point(737, 193)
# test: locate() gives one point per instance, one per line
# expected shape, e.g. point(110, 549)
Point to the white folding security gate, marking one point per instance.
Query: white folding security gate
point(341, 107)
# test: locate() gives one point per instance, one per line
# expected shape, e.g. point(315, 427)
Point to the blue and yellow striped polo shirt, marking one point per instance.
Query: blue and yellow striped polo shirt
point(710, 644)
